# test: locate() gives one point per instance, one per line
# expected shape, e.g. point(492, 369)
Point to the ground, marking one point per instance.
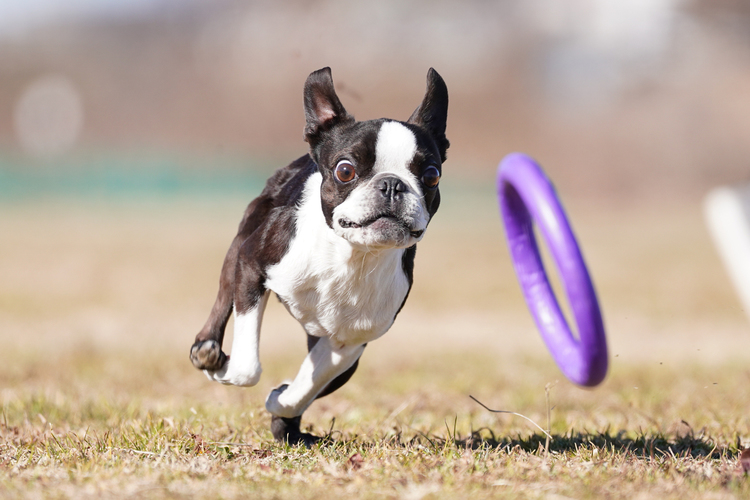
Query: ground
point(100, 300)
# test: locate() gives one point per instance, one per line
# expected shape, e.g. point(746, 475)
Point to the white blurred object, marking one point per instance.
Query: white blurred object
point(48, 116)
point(727, 211)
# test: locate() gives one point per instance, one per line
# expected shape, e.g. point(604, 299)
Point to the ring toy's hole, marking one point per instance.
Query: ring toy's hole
point(556, 283)
point(526, 196)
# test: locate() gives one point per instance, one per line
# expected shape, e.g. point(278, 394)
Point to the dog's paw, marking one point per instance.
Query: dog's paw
point(275, 407)
point(230, 374)
point(229, 371)
point(207, 355)
point(287, 430)
point(282, 403)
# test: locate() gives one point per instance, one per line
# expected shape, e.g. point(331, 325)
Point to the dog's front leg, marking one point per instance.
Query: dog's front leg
point(243, 365)
point(323, 364)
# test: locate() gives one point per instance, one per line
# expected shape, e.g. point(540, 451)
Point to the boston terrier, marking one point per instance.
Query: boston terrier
point(333, 235)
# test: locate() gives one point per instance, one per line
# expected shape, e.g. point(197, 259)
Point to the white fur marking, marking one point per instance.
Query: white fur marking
point(323, 364)
point(243, 366)
point(344, 294)
point(395, 149)
point(333, 288)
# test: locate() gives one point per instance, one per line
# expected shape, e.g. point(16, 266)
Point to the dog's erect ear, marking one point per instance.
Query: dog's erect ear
point(323, 109)
point(432, 114)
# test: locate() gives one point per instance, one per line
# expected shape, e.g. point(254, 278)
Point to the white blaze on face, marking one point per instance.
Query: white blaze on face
point(394, 151)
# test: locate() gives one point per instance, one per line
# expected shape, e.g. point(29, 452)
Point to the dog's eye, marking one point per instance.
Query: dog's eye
point(345, 171)
point(431, 177)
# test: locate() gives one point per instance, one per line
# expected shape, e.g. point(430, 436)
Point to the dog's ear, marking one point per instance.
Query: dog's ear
point(432, 114)
point(323, 109)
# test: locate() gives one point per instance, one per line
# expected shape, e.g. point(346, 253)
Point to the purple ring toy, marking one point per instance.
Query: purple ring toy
point(526, 195)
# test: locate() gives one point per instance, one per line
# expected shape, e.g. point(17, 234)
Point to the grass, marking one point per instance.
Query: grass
point(99, 400)
point(99, 437)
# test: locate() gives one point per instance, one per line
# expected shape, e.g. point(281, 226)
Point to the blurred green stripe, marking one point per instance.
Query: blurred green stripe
point(125, 176)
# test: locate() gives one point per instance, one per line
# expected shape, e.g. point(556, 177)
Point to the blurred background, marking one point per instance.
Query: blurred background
point(628, 99)
point(134, 132)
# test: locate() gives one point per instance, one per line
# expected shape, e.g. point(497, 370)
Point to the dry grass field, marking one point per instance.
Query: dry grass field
point(100, 300)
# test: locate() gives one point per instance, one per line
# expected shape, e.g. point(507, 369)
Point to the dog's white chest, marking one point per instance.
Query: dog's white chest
point(332, 289)
point(351, 304)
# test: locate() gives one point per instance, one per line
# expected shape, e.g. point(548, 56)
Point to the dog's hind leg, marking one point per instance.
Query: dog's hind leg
point(288, 429)
point(337, 383)
point(322, 367)
point(206, 353)
point(243, 366)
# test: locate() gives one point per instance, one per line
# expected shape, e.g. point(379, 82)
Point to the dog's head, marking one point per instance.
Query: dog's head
point(380, 177)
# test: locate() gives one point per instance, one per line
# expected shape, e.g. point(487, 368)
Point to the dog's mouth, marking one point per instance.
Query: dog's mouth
point(388, 219)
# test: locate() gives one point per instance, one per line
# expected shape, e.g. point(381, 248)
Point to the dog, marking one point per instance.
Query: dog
point(333, 235)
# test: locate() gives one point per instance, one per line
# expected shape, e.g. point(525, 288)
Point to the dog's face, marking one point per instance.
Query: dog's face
point(380, 177)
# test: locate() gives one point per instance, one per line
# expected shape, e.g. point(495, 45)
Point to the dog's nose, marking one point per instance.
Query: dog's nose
point(391, 187)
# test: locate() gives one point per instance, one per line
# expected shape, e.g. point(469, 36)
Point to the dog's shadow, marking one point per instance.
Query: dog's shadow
point(623, 443)
point(598, 444)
